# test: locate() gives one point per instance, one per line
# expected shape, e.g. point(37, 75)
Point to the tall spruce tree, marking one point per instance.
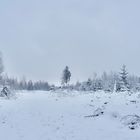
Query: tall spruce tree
point(66, 76)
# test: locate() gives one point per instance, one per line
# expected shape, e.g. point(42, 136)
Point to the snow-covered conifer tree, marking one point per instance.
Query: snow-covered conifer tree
point(124, 86)
point(30, 85)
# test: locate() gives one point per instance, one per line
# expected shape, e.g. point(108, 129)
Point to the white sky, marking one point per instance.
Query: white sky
point(38, 38)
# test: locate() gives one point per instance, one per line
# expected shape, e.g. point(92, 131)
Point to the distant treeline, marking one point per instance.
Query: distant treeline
point(107, 82)
point(24, 84)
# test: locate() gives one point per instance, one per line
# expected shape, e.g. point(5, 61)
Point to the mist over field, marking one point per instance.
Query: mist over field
point(69, 70)
point(88, 36)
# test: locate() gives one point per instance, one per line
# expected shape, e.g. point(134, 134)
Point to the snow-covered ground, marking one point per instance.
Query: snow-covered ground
point(70, 116)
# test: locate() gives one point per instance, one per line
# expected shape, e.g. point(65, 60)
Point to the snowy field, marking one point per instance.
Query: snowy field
point(70, 116)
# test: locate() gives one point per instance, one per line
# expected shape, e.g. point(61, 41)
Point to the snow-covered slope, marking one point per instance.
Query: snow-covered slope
point(70, 116)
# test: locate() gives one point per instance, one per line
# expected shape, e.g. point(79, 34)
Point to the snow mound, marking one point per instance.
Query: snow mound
point(132, 121)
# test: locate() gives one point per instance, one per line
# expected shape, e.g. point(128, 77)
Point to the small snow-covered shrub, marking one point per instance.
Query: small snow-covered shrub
point(97, 112)
point(6, 92)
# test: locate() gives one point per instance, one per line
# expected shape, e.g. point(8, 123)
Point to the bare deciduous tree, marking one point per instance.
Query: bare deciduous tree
point(1, 64)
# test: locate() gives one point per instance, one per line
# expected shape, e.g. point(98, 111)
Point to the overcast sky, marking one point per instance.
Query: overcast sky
point(38, 38)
